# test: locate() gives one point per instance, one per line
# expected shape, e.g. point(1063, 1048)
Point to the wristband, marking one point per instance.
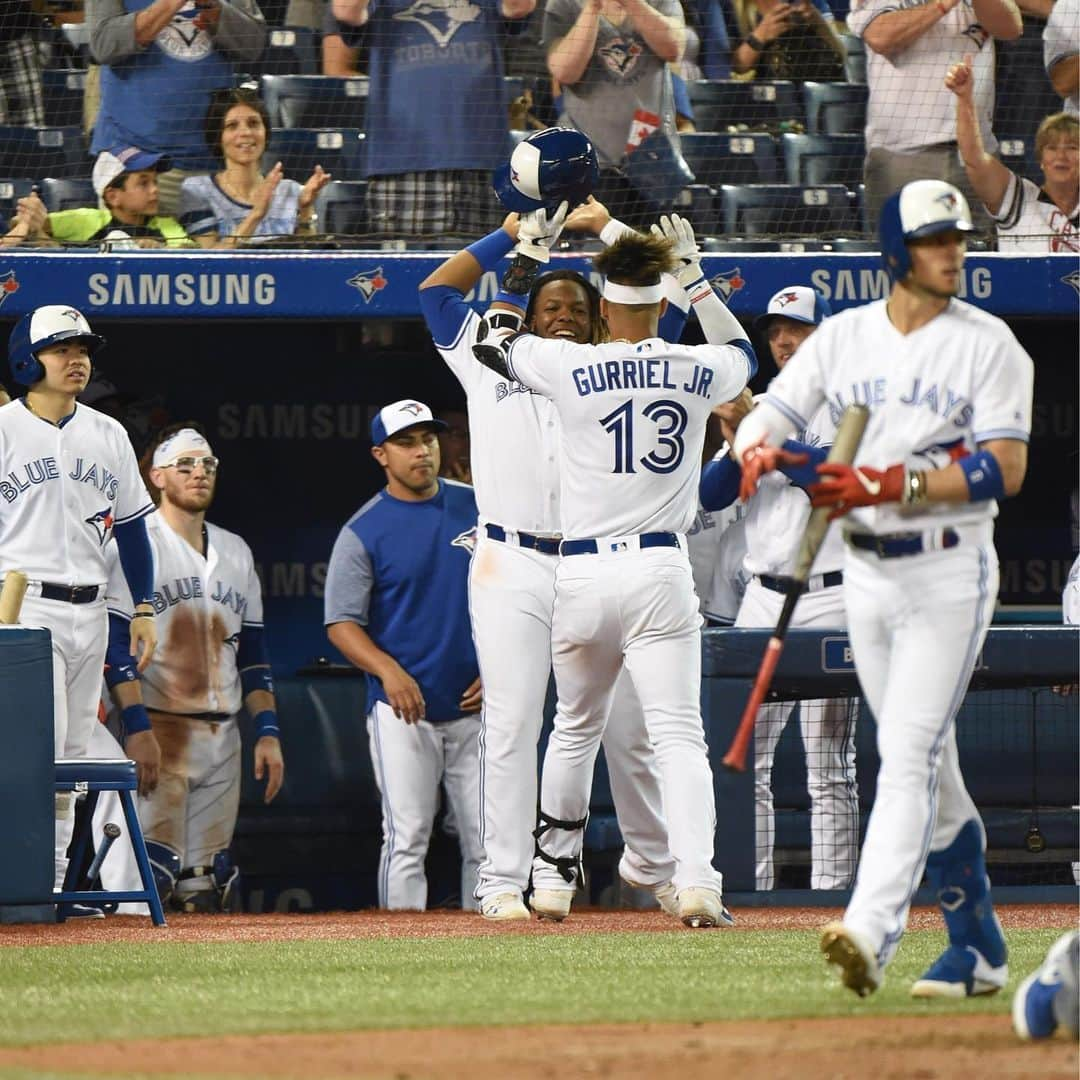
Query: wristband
point(914, 487)
point(135, 719)
point(758, 45)
point(614, 230)
point(266, 724)
point(143, 615)
point(983, 475)
point(488, 250)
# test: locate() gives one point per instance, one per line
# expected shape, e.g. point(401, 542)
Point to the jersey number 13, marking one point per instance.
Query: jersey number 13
point(669, 418)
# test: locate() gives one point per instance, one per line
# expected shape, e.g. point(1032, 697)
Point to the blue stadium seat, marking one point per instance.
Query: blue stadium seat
point(63, 90)
point(855, 64)
point(720, 103)
point(12, 189)
point(315, 101)
point(835, 108)
point(698, 203)
point(292, 50)
point(43, 151)
point(823, 159)
point(341, 208)
point(338, 150)
point(785, 210)
point(67, 194)
point(730, 159)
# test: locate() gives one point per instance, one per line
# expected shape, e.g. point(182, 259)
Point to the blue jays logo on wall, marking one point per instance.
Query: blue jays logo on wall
point(102, 522)
point(368, 282)
point(440, 18)
point(466, 540)
point(1072, 279)
point(182, 39)
point(9, 284)
point(730, 281)
point(621, 54)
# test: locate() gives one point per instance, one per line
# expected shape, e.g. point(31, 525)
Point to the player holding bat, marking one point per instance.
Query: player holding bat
point(949, 390)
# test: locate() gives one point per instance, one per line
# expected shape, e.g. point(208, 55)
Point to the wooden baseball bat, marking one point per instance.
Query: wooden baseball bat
point(849, 433)
point(11, 596)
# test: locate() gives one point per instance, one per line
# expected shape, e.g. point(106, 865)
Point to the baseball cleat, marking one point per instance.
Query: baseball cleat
point(960, 972)
point(702, 909)
point(504, 907)
point(858, 966)
point(664, 892)
point(83, 911)
point(1035, 1014)
point(553, 904)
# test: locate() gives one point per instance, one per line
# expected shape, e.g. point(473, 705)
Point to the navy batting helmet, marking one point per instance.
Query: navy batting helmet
point(546, 168)
point(40, 328)
point(921, 208)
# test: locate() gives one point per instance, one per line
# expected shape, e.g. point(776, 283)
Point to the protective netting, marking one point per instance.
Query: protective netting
point(771, 125)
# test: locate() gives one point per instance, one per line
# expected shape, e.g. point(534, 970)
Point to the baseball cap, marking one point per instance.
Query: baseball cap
point(391, 419)
point(798, 302)
point(112, 164)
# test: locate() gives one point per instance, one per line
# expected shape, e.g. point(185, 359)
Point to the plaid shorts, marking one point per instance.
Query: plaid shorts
point(422, 204)
point(21, 100)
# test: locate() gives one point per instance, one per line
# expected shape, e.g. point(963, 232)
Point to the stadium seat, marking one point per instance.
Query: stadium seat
point(67, 194)
point(855, 64)
point(730, 159)
point(75, 38)
point(12, 189)
point(341, 208)
point(338, 150)
point(823, 159)
point(698, 204)
point(1018, 153)
point(292, 50)
point(315, 101)
point(63, 90)
point(835, 108)
point(43, 151)
point(720, 104)
point(785, 210)
point(849, 244)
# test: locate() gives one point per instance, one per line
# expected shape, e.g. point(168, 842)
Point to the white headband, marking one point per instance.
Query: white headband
point(633, 294)
point(185, 439)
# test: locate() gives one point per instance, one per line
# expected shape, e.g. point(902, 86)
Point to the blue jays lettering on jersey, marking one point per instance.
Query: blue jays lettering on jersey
point(400, 570)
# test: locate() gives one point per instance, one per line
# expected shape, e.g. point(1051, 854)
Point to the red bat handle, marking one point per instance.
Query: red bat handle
point(735, 758)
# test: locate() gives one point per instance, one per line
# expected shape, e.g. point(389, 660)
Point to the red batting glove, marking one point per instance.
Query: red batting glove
point(761, 459)
point(847, 487)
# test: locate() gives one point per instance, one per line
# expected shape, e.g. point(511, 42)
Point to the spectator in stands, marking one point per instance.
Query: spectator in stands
point(337, 57)
point(21, 102)
point(454, 446)
point(788, 41)
point(5, 397)
point(1061, 51)
point(436, 114)
point(1028, 218)
point(126, 182)
point(611, 57)
point(705, 18)
point(160, 64)
point(910, 127)
point(238, 203)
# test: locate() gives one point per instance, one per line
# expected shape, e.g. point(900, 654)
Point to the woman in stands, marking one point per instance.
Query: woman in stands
point(240, 204)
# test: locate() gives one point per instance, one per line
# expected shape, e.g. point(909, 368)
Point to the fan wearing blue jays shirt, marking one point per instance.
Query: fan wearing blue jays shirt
point(397, 608)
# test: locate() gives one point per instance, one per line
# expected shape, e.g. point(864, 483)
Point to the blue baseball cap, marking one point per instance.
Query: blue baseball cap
point(391, 419)
point(797, 302)
point(112, 164)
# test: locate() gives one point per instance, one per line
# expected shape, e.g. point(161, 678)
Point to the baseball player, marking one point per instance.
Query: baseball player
point(949, 389)
point(397, 608)
point(1049, 998)
point(515, 434)
point(212, 660)
point(633, 413)
point(70, 482)
point(775, 519)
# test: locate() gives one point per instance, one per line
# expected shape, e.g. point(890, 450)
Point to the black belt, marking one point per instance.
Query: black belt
point(895, 545)
point(546, 545)
point(645, 540)
point(782, 585)
point(209, 717)
point(71, 594)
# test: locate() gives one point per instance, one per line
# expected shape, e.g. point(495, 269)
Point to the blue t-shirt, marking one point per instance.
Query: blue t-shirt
point(157, 98)
point(400, 570)
point(436, 100)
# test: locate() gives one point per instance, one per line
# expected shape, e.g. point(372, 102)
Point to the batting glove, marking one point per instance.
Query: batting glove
point(680, 233)
point(493, 335)
point(845, 487)
point(538, 230)
point(761, 459)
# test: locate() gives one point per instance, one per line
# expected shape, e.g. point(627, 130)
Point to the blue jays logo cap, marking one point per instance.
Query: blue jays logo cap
point(391, 419)
point(797, 302)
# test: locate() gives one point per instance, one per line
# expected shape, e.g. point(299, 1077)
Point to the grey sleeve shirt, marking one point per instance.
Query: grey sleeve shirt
point(349, 581)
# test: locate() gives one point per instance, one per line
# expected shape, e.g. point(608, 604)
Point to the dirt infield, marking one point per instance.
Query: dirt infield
point(923, 1047)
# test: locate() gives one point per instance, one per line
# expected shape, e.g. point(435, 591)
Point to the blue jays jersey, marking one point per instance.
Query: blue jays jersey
point(400, 570)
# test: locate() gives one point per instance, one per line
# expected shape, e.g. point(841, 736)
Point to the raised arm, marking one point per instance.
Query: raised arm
point(664, 34)
point(569, 56)
point(1001, 19)
point(988, 177)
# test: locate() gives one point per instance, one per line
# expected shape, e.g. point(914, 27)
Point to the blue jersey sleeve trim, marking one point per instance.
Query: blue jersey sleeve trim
point(784, 409)
point(140, 513)
point(719, 485)
point(804, 475)
point(751, 356)
point(446, 314)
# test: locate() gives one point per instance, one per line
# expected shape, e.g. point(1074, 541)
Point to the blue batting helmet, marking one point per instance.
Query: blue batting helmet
point(40, 328)
point(546, 168)
point(921, 208)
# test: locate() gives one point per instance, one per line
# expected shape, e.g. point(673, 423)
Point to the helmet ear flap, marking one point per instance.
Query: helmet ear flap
point(894, 252)
point(26, 368)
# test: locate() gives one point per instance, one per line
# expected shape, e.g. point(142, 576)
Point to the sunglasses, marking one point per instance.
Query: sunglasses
point(185, 465)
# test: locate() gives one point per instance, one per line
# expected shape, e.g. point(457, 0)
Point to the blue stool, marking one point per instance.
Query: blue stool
point(91, 776)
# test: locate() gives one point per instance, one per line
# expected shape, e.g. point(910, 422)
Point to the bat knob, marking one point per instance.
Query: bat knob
point(732, 764)
point(111, 831)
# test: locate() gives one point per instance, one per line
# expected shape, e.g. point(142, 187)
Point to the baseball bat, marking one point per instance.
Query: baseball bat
point(111, 832)
point(11, 596)
point(849, 433)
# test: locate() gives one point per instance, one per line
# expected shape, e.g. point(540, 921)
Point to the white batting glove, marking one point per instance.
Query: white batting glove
point(681, 234)
point(538, 230)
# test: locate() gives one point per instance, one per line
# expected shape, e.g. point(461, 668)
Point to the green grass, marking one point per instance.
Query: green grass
point(96, 992)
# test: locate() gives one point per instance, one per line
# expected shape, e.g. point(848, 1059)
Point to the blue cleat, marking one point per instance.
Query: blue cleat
point(960, 971)
point(1040, 1003)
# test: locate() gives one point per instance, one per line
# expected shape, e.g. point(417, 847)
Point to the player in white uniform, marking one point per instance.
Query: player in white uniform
point(633, 415)
point(920, 573)
point(775, 519)
point(69, 482)
point(1029, 218)
point(212, 660)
